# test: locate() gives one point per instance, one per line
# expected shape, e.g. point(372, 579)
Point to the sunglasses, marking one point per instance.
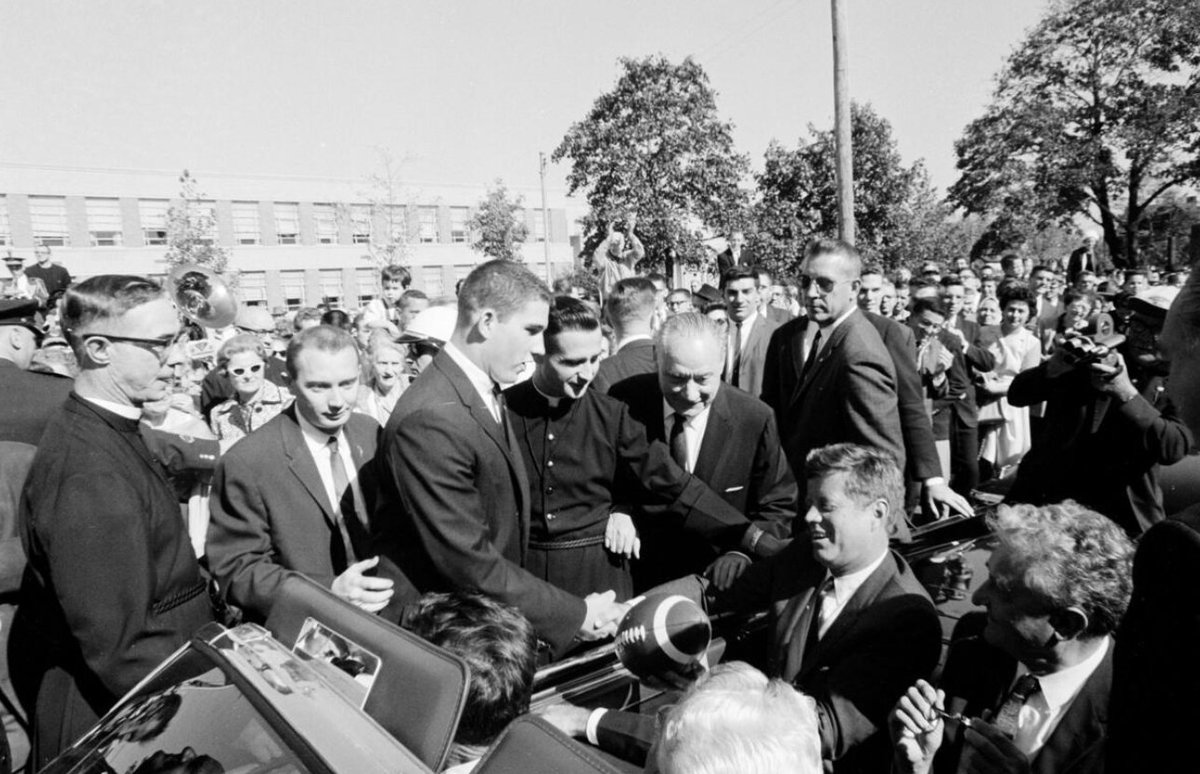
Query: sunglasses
point(242, 371)
point(824, 284)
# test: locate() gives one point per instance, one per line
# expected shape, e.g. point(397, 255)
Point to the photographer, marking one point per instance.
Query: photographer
point(1108, 423)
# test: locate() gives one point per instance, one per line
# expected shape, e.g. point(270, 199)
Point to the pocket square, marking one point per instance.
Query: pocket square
point(735, 489)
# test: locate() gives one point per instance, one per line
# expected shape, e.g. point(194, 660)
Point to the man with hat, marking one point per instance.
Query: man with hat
point(30, 398)
point(56, 278)
point(1108, 425)
point(217, 387)
point(21, 285)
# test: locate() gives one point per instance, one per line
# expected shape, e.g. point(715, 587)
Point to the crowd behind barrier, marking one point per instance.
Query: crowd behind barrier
point(505, 469)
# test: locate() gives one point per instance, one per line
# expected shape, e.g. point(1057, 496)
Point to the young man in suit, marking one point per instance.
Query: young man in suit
point(852, 627)
point(298, 495)
point(828, 375)
point(749, 330)
point(455, 478)
point(1058, 584)
point(629, 309)
point(723, 436)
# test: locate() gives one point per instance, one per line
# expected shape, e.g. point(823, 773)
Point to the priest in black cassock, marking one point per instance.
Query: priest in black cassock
point(587, 461)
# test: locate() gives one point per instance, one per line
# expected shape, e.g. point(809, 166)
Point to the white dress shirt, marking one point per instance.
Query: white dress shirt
point(479, 379)
point(120, 409)
point(317, 442)
point(1045, 708)
point(693, 432)
point(834, 601)
point(811, 331)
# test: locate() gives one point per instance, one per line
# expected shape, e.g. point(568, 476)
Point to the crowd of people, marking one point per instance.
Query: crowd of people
point(505, 470)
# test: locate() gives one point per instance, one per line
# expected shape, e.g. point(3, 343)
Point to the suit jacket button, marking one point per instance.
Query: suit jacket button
point(549, 516)
point(550, 464)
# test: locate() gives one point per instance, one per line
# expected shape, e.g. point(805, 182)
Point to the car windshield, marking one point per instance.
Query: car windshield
point(235, 702)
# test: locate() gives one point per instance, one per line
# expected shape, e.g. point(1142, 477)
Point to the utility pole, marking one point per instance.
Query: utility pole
point(545, 220)
point(841, 125)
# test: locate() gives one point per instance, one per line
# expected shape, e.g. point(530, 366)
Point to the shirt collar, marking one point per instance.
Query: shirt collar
point(669, 413)
point(477, 376)
point(1060, 688)
point(120, 409)
point(845, 586)
point(746, 324)
point(630, 339)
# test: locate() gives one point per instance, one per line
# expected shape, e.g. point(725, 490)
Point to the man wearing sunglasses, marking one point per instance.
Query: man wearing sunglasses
point(112, 585)
point(828, 375)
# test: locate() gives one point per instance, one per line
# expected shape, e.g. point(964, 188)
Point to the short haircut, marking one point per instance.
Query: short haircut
point(871, 269)
point(500, 648)
point(305, 314)
point(825, 246)
point(739, 272)
point(505, 287)
point(569, 314)
point(104, 297)
point(1066, 556)
point(1071, 295)
point(656, 278)
point(934, 304)
point(871, 474)
point(323, 338)
point(736, 721)
point(951, 280)
point(393, 273)
point(630, 299)
point(686, 326)
point(680, 292)
point(336, 318)
point(1042, 269)
point(243, 342)
point(412, 294)
point(1012, 259)
point(1017, 292)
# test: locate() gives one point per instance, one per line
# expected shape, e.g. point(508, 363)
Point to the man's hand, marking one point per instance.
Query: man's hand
point(1112, 378)
point(916, 729)
point(621, 537)
point(988, 751)
point(603, 615)
point(362, 590)
point(568, 718)
point(940, 496)
point(760, 543)
point(726, 569)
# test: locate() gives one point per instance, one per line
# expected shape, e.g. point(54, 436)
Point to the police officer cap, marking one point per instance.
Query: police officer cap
point(23, 312)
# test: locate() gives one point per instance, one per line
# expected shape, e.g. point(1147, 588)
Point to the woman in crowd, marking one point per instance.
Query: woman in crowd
point(256, 401)
point(1078, 307)
point(1016, 349)
point(386, 378)
point(989, 315)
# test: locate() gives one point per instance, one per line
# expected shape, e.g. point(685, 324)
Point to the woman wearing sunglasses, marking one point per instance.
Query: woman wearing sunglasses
point(256, 401)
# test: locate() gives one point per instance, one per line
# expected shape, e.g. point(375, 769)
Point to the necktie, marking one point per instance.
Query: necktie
point(345, 499)
point(1009, 713)
point(679, 450)
point(735, 354)
point(828, 606)
point(811, 358)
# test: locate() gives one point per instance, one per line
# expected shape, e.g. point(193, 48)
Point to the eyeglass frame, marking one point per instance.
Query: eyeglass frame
point(167, 343)
point(806, 281)
point(242, 371)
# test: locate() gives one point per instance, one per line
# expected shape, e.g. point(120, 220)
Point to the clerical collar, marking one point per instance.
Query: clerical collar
point(120, 409)
point(552, 400)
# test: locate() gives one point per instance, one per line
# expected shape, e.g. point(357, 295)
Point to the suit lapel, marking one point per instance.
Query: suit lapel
point(302, 464)
point(835, 341)
point(1082, 726)
point(797, 622)
point(798, 349)
point(717, 434)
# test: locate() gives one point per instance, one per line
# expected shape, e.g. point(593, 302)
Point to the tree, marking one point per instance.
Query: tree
point(390, 243)
point(655, 146)
point(192, 229)
point(1095, 115)
point(500, 233)
point(894, 205)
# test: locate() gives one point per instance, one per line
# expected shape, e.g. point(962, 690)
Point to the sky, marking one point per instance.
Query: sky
point(462, 91)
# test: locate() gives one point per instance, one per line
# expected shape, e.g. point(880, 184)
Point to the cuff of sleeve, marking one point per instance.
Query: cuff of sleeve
point(741, 554)
point(934, 481)
point(593, 724)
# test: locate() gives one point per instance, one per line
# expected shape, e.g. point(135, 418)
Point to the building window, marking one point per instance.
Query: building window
point(293, 288)
point(48, 215)
point(366, 279)
point(104, 222)
point(325, 218)
point(398, 223)
point(252, 288)
point(461, 272)
point(331, 288)
point(5, 234)
point(431, 277)
point(246, 230)
point(287, 223)
point(459, 232)
point(360, 223)
point(428, 217)
point(153, 213)
point(539, 227)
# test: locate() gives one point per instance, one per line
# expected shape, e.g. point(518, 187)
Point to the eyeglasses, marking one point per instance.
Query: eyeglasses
point(160, 347)
point(242, 371)
point(824, 284)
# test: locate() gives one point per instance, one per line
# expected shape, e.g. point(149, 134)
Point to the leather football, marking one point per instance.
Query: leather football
point(662, 633)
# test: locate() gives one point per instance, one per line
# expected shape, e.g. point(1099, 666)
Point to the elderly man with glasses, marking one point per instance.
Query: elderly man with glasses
point(112, 585)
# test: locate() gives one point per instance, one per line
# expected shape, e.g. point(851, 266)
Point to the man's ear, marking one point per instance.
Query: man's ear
point(1069, 624)
point(13, 337)
point(98, 350)
point(486, 322)
point(882, 511)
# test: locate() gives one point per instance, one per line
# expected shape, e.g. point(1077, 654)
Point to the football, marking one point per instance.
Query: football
point(662, 633)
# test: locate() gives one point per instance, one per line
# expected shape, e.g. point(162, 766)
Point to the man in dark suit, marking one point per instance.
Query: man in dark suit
point(767, 293)
point(749, 331)
point(851, 625)
point(454, 476)
point(629, 309)
point(1058, 584)
point(828, 375)
point(1082, 259)
point(734, 254)
point(725, 437)
point(298, 495)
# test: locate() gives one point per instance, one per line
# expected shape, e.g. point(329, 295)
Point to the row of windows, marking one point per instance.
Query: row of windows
point(48, 218)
